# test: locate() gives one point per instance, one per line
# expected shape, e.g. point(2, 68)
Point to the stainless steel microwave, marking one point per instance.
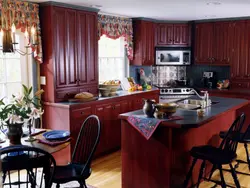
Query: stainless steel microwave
point(173, 56)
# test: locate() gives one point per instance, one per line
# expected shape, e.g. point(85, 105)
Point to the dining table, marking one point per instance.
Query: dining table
point(38, 135)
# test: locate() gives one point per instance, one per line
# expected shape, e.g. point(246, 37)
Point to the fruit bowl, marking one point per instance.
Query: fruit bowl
point(112, 87)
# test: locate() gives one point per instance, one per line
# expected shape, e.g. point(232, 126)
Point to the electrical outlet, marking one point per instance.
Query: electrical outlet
point(43, 80)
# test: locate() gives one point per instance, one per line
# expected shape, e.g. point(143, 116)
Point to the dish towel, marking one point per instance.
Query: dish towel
point(53, 143)
point(147, 126)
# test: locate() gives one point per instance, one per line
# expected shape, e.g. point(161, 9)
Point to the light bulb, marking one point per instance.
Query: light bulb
point(26, 34)
point(13, 28)
point(1, 33)
point(33, 30)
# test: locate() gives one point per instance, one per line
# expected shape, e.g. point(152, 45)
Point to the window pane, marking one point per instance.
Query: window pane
point(2, 91)
point(13, 88)
point(2, 72)
point(112, 64)
point(13, 70)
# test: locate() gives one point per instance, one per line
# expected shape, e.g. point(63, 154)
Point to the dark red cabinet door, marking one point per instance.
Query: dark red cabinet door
point(223, 35)
point(60, 43)
point(248, 50)
point(65, 51)
point(81, 55)
point(161, 34)
point(240, 60)
point(182, 34)
point(203, 43)
point(71, 67)
point(92, 48)
point(144, 42)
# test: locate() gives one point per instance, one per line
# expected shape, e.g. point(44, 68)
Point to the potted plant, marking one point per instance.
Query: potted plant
point(21, 109)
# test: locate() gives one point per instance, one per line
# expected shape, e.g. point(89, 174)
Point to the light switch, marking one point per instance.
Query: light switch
point(43, 80)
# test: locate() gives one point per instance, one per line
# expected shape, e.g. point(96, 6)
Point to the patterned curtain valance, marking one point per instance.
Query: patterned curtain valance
point(115, 27)
point(24, 15)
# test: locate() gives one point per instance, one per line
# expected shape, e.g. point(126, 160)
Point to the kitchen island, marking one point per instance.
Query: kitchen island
point(163, 160)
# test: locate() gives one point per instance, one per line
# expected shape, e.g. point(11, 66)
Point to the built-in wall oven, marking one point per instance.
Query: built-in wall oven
point(173, 56)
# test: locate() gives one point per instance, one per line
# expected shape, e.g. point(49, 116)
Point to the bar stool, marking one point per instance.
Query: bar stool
point(218, 156)
point(243, 138)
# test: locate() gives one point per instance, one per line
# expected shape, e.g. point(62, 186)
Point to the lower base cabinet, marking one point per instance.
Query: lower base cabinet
point(71, 117)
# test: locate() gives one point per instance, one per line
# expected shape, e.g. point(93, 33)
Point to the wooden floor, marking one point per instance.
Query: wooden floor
point(107, 172)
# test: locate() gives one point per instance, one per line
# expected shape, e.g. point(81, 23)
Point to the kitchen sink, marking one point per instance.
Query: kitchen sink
point(192, 104)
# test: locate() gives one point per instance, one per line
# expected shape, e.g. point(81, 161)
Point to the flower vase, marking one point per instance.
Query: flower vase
point(14, 133)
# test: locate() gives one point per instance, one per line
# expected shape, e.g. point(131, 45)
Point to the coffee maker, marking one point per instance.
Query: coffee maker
point(209, 80)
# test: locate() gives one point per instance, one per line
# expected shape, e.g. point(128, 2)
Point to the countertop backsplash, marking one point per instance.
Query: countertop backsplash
point(165, 73)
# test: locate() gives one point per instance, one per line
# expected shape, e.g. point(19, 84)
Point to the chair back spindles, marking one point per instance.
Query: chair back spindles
point(87, 141)
point(231, 144)
point(21, 159)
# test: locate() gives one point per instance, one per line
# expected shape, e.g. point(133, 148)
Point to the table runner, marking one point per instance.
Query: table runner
point(147, 126)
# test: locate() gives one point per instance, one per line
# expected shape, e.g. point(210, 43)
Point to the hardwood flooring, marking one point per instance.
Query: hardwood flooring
point(107, 172)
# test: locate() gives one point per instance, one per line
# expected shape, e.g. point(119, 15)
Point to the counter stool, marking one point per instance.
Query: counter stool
point(224, 154)
point(243, 138)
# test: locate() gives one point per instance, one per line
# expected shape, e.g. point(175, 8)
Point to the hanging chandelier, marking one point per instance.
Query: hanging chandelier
point(8, 34)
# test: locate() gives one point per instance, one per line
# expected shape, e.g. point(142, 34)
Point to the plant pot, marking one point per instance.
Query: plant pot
point(14, 133)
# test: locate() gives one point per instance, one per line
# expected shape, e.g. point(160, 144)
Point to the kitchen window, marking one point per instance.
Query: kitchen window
point(113, 62)
point(14, 70)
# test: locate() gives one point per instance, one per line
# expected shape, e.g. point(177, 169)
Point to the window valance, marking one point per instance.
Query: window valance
point(115, 27)
point(24, 15)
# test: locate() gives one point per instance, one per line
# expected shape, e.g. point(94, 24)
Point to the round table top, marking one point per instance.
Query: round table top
point(45, 147)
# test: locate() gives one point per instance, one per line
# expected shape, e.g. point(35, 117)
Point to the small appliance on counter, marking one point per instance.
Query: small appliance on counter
point(209, 80)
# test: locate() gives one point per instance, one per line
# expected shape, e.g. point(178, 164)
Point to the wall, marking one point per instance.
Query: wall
point(195, 73)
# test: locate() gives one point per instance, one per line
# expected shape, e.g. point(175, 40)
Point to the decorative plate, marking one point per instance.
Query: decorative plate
point(56, 135)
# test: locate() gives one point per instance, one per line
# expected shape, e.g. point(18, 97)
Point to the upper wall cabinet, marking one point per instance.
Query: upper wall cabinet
point(144, 42)
point(213, 43)
point(173, 34)
point(70, 48)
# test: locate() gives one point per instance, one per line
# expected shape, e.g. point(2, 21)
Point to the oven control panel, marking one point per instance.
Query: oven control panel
point(176, 91)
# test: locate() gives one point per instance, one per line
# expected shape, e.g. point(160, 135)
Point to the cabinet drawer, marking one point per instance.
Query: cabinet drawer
point(240, 85)
point(83, 112)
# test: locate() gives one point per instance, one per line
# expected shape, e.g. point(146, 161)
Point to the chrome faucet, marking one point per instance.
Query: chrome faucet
point(205, 97)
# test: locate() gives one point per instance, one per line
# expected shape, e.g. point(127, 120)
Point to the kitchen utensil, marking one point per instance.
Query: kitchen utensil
point(148, 107)
point(167, 108)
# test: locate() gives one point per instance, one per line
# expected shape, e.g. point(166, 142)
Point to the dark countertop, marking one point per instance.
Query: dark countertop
point(120, 93)
point(227, 91)
point(190, 118)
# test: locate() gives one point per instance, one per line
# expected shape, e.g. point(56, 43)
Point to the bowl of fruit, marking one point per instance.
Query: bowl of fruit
point(111, 85)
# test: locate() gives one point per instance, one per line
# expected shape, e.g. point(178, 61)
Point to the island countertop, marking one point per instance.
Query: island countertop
point(190, 117)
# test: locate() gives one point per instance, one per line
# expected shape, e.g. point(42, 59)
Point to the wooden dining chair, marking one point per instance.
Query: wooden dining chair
point(225, 154)
point(80, 167)
point(27, 167)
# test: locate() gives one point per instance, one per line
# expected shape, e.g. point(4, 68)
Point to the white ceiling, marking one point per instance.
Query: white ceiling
point(168, 9)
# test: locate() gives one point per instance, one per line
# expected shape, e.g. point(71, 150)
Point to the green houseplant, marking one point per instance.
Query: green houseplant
point(21, 109)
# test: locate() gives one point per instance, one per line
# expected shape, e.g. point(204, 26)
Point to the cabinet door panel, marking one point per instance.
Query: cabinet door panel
point(82, 62)
point(71, 48)
point(150, 44)
point(177, 34)
point(222, 43)
point(92, 48)
point(59, 18)
point(203, 43)
point(239, 52)
point(185, 35)
point(170, 34)
point(161, 34)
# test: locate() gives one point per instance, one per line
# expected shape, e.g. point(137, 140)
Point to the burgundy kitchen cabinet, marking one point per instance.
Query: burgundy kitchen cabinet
point(240, 56)
point(144, 42)
point(77, 118)
point(223, 43)
point(70, 50)
point(173, 34)
point(203, 43)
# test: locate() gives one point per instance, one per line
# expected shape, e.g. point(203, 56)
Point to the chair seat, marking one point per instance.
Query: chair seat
point(237, 137)
point(213, 154)
point(71, 172)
